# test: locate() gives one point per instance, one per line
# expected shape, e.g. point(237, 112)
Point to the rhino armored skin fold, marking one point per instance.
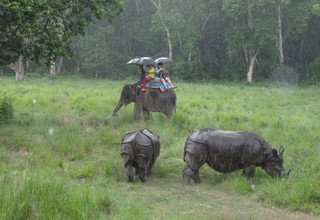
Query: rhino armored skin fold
point(139, 150)
point(228, 151)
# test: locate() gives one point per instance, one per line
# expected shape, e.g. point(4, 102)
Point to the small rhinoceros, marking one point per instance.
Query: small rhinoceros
point(139, 150)
point(228, 151)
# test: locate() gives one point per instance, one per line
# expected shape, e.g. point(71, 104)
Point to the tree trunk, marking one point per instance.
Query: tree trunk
point(59, 64)
point(18, 68)
point(250, 71)
point(52, 67)
point(180, 43)
point(280, 44)
point(245, 53)
point(158, 6)
point(168, 39)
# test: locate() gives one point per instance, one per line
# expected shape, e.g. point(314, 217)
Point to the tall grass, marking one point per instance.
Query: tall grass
point(59, 155)
point(44, 197)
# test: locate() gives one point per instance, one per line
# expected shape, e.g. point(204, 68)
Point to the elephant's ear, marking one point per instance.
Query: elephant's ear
point(133, 88)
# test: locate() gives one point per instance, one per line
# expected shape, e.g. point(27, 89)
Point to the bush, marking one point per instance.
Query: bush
point(6, 108)
point(314, 72)
point(284, 74)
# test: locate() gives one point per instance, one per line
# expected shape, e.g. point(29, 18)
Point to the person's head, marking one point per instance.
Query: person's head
point(148, 67)
point(160, 65)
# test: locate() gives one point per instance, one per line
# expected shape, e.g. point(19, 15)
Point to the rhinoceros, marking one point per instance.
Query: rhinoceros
point(139, 150)
point(228, 151)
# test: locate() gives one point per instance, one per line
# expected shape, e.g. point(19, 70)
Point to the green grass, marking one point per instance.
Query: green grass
point(76, 172)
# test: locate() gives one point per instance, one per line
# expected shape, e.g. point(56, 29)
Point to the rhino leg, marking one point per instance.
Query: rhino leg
point(188, 174)
point(149, 171)
point(130, 173)
point(191, 170)
point(248, 171)
point(142, 174)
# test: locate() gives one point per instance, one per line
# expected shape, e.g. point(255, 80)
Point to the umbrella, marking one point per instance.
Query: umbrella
point(146, 61)
point(163, 60)
point(133, 61)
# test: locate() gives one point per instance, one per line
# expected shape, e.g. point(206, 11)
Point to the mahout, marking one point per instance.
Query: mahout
point(139, 150)
point(228, 151)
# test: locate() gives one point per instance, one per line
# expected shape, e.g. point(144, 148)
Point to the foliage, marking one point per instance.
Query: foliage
point(211, 39)
point(6, 107)
point(44, 29)
point(75, 171)
point(284, 74)
point(314, 72)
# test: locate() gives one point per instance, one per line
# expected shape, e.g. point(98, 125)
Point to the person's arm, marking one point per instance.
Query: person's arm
point(142, 72)
point(160, 73)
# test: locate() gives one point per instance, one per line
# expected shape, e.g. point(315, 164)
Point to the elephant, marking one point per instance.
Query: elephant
point(150, 100)
point(228, 151)
point(139, 150)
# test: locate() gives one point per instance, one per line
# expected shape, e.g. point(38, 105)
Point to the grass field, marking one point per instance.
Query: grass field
point(59, 155)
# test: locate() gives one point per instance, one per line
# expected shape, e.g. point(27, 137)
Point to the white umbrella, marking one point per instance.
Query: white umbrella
point(163, 60)
point(133, 61)
point(146, 61)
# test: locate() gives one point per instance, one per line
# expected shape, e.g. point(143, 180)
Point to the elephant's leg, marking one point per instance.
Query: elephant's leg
point(130, 173)
point(248, 171)
point(168, 110)
point(146, 114)
point(168, 113)
point(170, 104)
point(149, 171)
point(137, 110)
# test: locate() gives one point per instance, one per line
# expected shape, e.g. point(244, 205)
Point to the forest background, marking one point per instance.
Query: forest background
point(207, 39)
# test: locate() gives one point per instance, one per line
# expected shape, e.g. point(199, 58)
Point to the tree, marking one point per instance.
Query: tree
point(210, 39)
point(157, 4)
point(252, 27)
point(42, 30)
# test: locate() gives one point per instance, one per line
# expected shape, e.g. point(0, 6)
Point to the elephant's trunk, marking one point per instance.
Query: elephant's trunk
point(120, 104)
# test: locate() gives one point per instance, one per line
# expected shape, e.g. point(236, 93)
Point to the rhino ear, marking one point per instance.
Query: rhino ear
point(275, 153)
point(281, 150)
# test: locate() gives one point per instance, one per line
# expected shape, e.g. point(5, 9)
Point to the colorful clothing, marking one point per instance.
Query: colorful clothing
point(152, 72)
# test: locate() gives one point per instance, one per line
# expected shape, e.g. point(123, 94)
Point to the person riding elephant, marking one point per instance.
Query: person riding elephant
point(164, 76)
point(148, 76)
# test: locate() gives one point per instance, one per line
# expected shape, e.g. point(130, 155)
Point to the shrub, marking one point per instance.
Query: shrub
point(284, 74)
point(6, 107)
point(314, 72)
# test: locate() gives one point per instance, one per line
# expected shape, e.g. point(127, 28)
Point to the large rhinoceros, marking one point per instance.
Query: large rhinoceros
point(228, 151)
point(139, 150)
